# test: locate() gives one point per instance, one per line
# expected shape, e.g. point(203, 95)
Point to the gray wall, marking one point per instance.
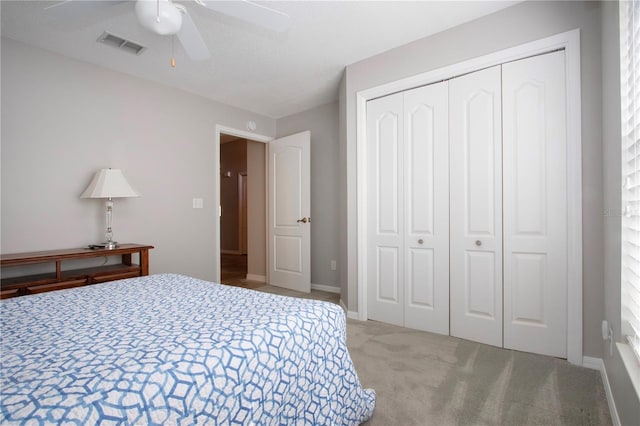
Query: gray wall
point(62, 120)
point(628, 406)
point(87, 118)
point(510, 27)
point(323, 124)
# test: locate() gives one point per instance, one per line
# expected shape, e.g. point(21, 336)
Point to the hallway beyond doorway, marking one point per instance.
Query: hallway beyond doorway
point(233, 271)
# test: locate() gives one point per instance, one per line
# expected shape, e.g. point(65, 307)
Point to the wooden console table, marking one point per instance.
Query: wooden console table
point(60, 279)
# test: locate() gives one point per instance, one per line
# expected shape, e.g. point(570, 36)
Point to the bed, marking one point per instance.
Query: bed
point(170, 349)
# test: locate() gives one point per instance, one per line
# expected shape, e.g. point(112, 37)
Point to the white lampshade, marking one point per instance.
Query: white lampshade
point(109, 183)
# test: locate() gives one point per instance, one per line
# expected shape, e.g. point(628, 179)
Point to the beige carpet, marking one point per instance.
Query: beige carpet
point(427, 379)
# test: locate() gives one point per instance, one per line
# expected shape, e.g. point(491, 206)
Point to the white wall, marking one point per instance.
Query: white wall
point(510, 27)
point(627, 402)
point(323, 124)
point(62, 120)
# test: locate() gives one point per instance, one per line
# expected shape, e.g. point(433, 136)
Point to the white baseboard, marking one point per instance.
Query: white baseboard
point(353, 315)
point(259, 278)
point(350, 314)
point(598, 364)
point(593, 363)
point(327, 288)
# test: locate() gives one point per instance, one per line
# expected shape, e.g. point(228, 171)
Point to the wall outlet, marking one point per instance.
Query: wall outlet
point(334, 265)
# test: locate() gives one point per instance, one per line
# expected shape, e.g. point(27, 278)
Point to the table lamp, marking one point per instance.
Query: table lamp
point(109, 184)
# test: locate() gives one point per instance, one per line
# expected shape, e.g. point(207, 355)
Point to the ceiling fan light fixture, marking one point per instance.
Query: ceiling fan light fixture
point(160, 16)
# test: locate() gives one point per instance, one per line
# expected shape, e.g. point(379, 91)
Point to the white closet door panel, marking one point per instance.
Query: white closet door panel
point(385, 201)
point(535, 205)
point(479, 277)
point(420, 280)
point(475, 131)
point(426, 183)
point(387, 284)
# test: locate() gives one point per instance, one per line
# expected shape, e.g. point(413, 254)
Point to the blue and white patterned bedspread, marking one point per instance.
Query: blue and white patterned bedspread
point(176, 350)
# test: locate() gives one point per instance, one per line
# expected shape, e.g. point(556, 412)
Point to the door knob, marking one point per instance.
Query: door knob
point(420, 241)
point(303, 220)
point(478, 243)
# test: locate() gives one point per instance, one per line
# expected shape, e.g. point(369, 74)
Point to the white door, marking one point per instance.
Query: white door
point(408, 209)
point(475, 132)
point(385, 201)
point(289, 212)
point(426, 208)
point(535, 205)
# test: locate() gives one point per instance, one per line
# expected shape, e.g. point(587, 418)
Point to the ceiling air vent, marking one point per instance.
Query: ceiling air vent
point(121, 43)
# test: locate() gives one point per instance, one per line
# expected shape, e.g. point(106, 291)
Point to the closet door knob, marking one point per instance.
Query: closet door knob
point(478, 243)
point(420, 241)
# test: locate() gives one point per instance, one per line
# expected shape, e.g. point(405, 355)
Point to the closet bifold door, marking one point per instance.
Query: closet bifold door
point(535, 205)
point(475, 167)
point(385, 210)
point(426, 177)
point(408, 209)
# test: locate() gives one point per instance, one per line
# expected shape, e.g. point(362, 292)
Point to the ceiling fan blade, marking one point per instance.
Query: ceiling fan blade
point(254, 13)
point(191, 39)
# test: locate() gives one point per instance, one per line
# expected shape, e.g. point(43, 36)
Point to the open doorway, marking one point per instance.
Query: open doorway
point(242, 212)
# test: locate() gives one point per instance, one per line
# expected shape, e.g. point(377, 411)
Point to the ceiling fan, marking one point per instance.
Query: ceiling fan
point(167, 17)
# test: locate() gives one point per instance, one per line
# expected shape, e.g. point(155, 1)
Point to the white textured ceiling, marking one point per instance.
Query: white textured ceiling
point(251, 68)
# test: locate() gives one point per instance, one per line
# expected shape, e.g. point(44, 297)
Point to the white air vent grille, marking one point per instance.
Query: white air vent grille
point(121, 43)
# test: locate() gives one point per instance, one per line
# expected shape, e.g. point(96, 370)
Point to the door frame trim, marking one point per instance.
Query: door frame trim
point(570, 42)
point(216, 185)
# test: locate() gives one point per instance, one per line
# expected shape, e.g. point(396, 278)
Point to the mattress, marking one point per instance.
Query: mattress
point(170, 349)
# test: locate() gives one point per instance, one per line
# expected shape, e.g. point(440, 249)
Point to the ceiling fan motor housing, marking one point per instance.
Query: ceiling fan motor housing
point(160, 16)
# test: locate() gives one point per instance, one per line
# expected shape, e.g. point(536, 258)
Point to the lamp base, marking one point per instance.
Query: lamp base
point(109, 245)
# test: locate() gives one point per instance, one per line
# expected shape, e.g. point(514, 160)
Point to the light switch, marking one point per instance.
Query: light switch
point(334, 266)
point(197, 203)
